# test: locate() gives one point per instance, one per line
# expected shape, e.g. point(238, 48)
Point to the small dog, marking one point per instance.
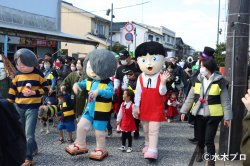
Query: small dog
point(46, 114)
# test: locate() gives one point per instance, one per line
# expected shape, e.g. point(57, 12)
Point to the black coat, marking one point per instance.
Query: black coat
point(12, 139)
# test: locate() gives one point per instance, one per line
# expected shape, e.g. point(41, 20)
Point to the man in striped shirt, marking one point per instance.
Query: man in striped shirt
point(26, 90)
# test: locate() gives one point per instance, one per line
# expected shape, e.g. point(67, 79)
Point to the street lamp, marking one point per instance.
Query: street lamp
point(111, 23)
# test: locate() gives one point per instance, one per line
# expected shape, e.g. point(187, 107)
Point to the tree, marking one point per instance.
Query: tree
point(220, 54)
point(117, 47)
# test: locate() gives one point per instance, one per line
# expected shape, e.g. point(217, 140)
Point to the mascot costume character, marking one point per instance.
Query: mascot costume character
point(150, 89)
point(101, 64)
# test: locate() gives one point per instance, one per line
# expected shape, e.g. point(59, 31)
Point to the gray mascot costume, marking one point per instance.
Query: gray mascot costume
point(101, 64)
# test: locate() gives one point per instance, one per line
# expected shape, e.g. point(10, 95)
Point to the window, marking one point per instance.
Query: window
point(99, 29)
point(168, 39)
point(157, 39)
point(150, 37)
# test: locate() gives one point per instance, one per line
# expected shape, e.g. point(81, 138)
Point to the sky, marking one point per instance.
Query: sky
point(195, 21)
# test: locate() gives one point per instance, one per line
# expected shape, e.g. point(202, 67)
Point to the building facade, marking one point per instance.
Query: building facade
point(144, 33)
point(79, 22)
point(33, 24)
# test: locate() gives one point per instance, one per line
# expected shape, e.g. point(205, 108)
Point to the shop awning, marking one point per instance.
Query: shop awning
point(22, 31)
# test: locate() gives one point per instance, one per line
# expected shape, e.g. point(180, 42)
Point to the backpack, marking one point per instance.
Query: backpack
point(12, 140)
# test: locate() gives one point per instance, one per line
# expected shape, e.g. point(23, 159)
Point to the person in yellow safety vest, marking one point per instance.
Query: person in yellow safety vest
point(132, 80)
point(210, 103)
point(51, 76)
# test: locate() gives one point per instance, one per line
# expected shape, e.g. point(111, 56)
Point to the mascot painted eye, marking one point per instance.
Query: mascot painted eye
point(156, 58)
point(142, 60)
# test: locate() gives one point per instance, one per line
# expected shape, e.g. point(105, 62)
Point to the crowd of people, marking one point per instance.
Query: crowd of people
point(141, 92)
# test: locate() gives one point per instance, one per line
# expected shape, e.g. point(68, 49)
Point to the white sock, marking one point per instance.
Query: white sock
point(152, 150)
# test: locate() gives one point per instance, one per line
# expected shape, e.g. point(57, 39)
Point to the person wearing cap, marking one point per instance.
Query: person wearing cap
point(126, 64)
point(209, 102)
point(28, 99)
point(121, 79)
point(208, 52)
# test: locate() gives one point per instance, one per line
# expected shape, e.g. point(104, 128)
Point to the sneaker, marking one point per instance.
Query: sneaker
point(193, 140)
point(129, 150)
point(122, 148)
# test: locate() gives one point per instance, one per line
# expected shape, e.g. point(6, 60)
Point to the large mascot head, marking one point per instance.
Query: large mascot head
point(150, 57)
point(101, 64)
point(25, 60)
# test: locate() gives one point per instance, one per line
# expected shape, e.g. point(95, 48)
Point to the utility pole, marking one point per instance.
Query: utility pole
point(236, 73)
point(111, 27)
point(218, 28)
point(135, 38)
point(111, 24)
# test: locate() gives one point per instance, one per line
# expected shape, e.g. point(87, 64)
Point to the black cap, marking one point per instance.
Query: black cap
point(208, 52)
point(124, 54)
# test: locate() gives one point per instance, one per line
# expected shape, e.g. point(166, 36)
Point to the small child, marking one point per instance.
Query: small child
point(66, 116)
point(172, 107)
point(126, 120)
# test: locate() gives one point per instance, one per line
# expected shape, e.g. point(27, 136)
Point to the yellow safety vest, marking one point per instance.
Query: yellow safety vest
point(213, 100)
point(102, 105)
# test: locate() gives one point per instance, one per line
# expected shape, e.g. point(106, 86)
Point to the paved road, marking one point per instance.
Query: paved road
point(174, 149)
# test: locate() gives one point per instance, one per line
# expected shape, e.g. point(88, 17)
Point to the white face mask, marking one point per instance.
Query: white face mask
point(124, 62)
point(203, 71)
point(78, 67)
point(73, 68)
point(46, 66)
point(170, 70)
point(41, 65)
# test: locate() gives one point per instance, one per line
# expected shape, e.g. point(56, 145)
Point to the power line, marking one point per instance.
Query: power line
point(106, 9)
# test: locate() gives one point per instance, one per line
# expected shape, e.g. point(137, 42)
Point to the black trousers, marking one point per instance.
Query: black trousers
point(137, 124)
point(109, 127)
point(125, 136)
point(206, 131)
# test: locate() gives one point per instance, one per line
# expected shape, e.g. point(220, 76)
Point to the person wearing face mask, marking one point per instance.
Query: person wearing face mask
point(40, 63)
point(67, 84)
point(51, 76)
point(209, 102)
point(207, 53)
point(7, 72)
point(73, 66)
point(121, 79)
